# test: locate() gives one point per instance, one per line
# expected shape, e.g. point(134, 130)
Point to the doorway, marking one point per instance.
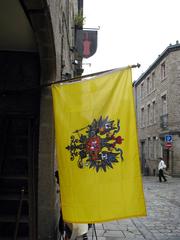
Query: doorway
point(17, 170)
point(19, 132)
point(143, 160)
point(166, 157)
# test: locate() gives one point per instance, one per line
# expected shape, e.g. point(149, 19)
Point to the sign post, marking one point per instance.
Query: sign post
point(168, 141)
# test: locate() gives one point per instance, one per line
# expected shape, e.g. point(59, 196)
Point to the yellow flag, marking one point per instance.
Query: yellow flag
point(97, 149)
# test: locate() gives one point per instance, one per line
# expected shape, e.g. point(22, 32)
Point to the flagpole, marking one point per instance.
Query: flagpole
point(70, 80)
point(78, 78)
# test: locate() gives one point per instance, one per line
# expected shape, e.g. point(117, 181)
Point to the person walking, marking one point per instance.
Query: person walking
point(161, 167)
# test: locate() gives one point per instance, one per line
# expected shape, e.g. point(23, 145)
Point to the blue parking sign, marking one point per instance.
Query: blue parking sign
point(168, 138)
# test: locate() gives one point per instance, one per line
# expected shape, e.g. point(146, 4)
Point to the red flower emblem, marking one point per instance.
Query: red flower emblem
point(93, 146)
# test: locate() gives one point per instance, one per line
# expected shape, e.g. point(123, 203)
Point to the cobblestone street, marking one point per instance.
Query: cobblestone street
point(163, 215)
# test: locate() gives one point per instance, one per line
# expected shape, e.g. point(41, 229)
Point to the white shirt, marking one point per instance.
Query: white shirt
point(161, 165)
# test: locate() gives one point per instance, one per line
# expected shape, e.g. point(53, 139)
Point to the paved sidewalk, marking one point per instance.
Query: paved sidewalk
point(163, 215)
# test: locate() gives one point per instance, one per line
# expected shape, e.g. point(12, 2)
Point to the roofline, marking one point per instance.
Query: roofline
point(169, 49)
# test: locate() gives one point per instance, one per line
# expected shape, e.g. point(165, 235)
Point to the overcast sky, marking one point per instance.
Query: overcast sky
point(131, 31)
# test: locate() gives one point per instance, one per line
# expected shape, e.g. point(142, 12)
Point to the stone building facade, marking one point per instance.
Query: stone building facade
point(158, 114)
point(37, 47)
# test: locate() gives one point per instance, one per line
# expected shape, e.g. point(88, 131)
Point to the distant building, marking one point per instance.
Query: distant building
point(157, 96)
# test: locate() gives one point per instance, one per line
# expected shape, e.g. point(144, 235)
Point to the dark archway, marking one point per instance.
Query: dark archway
point(27, 60)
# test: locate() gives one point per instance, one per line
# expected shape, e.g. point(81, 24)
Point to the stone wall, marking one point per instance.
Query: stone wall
point(53, 25)
point(55, 66)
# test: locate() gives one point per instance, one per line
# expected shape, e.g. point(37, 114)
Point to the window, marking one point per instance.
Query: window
point(153, 81)
point(164, 112)
point(154, 148)
point(163, 70)
point(142, 90)
point(164, 104)
point(148, 146)
point(148, 85)
point(153, 111)
point(142, 117)
point(148, 114)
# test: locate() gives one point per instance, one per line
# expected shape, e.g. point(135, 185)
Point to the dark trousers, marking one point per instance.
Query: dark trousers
point(161, 175)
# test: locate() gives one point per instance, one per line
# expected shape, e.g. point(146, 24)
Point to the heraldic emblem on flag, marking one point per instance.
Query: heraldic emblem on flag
point(97, 149)
point(98, 146)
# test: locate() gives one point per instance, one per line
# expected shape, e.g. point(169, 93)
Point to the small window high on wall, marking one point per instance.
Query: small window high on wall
point(163, 70)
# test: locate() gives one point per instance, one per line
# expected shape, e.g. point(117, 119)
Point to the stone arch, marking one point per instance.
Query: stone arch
point(38, 13)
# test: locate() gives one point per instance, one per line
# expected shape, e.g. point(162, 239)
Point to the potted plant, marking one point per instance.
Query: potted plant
point(79, 20)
